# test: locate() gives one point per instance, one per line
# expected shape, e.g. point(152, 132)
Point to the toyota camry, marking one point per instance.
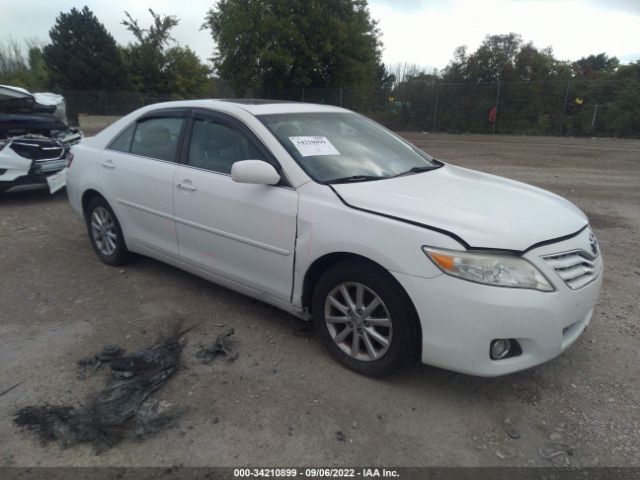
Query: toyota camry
point(396, 256)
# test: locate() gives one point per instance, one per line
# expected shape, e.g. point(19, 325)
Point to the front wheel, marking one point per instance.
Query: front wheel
point(105, 233)
point(366, 319)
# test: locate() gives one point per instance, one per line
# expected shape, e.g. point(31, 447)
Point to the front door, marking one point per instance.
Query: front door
point(241, 232)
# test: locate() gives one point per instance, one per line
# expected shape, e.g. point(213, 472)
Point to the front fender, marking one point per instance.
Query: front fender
point(326, 226)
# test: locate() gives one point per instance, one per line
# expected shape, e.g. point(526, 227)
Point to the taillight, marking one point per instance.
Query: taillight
point(69, 158)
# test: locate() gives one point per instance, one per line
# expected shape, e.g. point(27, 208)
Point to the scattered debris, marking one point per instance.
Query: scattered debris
point(121, 410)
point(221, 346)
point(557, 453)
point(505, 453)
point(7, 390)
point(340, 436)
point(108, 353)
point(513, 433)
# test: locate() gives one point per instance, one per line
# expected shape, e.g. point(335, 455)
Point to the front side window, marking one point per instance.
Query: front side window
point(157, 138)
point(216, 147)
point(343, 146)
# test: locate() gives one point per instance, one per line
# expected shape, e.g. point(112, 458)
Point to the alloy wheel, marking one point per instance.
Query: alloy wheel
point(358, 321)
point(103, 230)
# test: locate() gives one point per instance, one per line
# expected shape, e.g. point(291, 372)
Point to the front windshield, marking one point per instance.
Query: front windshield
point(344, 146)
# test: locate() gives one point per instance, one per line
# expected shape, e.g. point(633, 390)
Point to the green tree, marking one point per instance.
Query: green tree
point(39, 77)
point(82, 55)
point(536, 65)
point(595, 64)
point(494, 58)
point(156, 67)
point(22, 67)
point(187, 75)
point(145, 59)
point(278, 47)
point(384, 80)
point(534, 92)
point(623, 116)
point(12, 58)
point(456, 71)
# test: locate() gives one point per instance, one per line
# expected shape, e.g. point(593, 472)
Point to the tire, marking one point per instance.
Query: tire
point(401, 330)
point(105, 233)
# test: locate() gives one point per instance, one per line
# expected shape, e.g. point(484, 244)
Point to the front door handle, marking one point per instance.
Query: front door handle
point(108, 164)
point(186, 185)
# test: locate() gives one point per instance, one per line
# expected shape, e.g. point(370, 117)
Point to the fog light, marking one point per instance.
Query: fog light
point(499, 348)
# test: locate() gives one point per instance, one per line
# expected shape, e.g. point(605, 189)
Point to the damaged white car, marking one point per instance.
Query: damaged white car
point(396, 256)
point(34, 138)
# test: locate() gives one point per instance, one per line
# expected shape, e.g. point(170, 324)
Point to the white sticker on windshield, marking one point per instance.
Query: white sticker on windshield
point(314, 146)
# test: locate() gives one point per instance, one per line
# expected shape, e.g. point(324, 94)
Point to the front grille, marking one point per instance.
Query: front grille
point(39, 149)
point(576, 267)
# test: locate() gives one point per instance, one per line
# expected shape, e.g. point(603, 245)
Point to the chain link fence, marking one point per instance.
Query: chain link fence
point(603, 107)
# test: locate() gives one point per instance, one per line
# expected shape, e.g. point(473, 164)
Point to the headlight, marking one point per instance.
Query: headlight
point(501, 270)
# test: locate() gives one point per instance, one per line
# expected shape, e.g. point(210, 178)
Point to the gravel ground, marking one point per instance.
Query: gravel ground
point(284, 400)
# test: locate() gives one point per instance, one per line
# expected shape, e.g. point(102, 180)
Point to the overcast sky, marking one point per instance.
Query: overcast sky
point(423, 32)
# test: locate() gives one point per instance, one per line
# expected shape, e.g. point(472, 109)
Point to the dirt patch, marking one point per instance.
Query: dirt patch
point(283, 400)
point(599, 221)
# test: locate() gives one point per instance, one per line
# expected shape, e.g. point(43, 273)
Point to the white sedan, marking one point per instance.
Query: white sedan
point(396, 256)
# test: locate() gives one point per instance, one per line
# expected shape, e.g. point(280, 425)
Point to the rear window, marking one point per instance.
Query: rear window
point(154, 138)
point(157, 138)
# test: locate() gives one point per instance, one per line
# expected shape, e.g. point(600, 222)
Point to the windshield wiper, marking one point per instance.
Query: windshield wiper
point(417, 170)
point(356, 178)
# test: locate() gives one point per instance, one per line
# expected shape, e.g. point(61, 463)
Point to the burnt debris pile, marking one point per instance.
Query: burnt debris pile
point(122, 410)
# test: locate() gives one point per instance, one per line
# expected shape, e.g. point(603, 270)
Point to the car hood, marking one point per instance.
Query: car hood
point(16, 99)
point(484, 211)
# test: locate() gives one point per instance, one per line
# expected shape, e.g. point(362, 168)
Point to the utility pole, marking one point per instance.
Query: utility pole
point(435, 106)
point(593, 120)
point(564, 108)
point(493, 128)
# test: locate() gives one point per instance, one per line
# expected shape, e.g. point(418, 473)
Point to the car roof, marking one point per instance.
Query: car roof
point(254, 106)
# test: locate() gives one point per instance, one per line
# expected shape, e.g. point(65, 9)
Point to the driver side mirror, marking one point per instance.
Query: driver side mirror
point(257, 172)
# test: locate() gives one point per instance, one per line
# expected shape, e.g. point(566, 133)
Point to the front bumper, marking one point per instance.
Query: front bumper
point(25, 182)
point(459, 319)
point(18, 173)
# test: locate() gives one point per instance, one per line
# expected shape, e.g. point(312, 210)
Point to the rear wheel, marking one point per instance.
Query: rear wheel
point(105, 233)
point(366, 319)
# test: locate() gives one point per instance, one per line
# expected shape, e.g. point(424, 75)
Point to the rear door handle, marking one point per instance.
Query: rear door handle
point(186, 185)
point(108, 164)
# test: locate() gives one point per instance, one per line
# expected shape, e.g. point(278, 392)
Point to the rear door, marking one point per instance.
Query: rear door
point(243, 233)
point(137, 171)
